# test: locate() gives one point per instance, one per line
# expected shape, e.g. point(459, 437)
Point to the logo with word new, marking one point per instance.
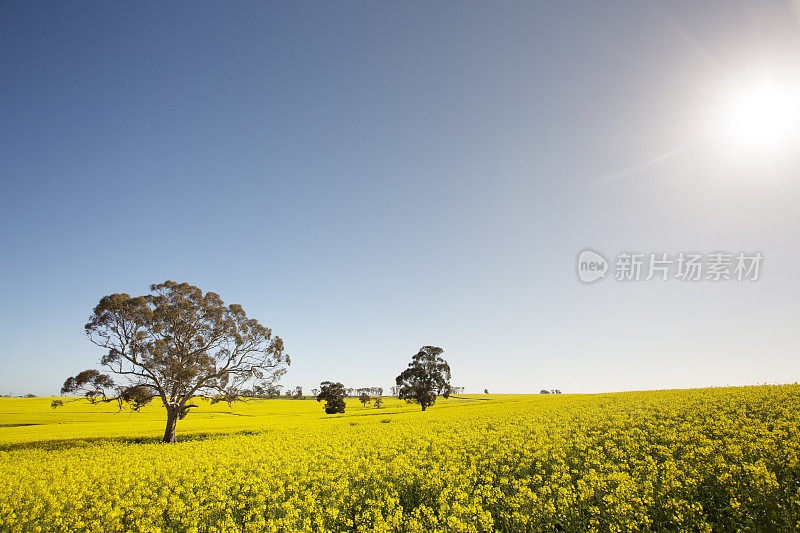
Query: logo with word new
point(591, 266)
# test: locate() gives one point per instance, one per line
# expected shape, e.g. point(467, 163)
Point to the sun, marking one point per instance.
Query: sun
point(760, 115)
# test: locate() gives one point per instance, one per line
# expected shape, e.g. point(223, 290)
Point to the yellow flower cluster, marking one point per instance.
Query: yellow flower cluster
point(696, 460)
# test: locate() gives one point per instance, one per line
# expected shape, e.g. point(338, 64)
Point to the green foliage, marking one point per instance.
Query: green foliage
point(427, 376)
point(89, 383)
point(364, 398)
point(333, 396)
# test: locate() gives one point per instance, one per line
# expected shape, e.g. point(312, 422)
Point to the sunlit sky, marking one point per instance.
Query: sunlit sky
point(370, 177)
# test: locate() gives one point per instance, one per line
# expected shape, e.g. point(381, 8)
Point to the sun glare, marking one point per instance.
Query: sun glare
point(762, 115)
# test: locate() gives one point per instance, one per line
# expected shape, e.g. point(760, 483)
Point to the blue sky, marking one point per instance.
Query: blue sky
point(368, 178)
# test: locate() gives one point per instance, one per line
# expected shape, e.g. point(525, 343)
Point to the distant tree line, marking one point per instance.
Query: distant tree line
point(453, 390)
point(296, 393)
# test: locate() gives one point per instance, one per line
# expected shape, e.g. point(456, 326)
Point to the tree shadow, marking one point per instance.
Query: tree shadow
point(66, 444)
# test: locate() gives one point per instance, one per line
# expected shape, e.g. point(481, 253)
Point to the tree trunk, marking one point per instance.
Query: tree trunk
point(172, 420)
point(424, 406)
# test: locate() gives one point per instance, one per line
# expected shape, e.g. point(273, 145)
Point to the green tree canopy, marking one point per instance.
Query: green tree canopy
point(333, 396)
point(427, 376)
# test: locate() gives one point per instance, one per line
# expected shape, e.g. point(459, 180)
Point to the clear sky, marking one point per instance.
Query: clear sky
point(370, 177)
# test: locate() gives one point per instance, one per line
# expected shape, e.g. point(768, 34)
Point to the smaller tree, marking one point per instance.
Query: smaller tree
point(427, 376)
point(486, 391)
point(298, 393)
point(315, 392)
point(544, 391)
point(333, 396)
point(378, 402)
point(364, 399)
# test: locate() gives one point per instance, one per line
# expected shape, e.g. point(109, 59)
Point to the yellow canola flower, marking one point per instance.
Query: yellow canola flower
point(699, 460)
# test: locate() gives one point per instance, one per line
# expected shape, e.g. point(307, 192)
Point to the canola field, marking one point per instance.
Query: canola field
point(723, 459)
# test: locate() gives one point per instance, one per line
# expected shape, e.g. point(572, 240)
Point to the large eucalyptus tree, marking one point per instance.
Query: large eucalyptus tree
point(175, 344)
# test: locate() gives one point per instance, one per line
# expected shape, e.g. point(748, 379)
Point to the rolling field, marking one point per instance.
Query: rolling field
point(721, 459)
